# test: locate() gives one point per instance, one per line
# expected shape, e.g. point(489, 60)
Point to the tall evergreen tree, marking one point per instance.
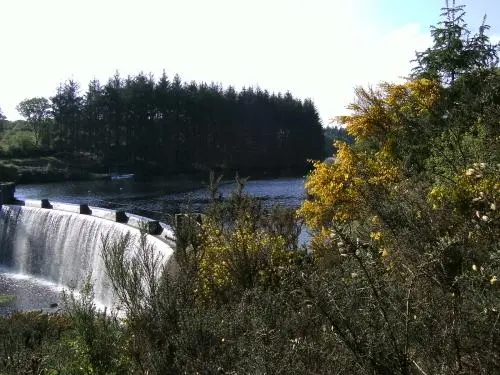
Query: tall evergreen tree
point(2, 120)
point(67, 106)
point(93, 118)
point(454, 52)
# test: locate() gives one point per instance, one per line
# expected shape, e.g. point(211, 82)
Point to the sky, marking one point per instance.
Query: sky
point(317, 49)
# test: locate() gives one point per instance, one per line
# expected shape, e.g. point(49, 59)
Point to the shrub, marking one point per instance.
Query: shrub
point(25, 339)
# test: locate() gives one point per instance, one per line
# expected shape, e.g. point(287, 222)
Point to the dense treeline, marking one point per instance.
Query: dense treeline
point(173, 126)
point(333, 134)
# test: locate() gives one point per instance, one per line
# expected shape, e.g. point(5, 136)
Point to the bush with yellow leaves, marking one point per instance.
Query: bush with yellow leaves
point(406, 234)
point(243, 247)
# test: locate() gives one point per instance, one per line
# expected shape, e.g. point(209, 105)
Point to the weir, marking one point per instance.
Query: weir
point(62, 243)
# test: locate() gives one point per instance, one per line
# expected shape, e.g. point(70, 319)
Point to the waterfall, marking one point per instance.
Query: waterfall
point(62, 247)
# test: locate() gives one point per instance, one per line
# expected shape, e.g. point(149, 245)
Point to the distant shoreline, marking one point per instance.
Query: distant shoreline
point(50, 169)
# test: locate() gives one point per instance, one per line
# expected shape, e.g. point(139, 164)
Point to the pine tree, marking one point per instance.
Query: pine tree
point(454, 52)
point(67, 112)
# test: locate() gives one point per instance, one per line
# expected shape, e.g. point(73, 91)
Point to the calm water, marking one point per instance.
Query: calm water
point(148, 199)
point(152, 199)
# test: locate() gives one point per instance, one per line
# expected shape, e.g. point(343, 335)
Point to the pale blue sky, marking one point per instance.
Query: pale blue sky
point(319, 49)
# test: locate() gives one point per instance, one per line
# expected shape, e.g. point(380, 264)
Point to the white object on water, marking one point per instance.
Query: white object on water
point(122, 176)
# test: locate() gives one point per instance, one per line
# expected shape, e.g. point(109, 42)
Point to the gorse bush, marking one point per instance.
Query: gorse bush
point(81, 341)
point(96, 343)
point(25, 340)
point(405, 222)
point(245, 245)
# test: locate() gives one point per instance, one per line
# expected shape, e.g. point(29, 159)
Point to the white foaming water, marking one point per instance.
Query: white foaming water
point(63, 248)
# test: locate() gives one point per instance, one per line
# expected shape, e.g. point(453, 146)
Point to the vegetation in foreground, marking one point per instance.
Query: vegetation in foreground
point(402, 272)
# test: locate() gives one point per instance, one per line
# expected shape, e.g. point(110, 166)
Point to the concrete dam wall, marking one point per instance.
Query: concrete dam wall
point(62, 243)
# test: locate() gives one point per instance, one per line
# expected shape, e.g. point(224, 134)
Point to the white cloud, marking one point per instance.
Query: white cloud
point(317, 49)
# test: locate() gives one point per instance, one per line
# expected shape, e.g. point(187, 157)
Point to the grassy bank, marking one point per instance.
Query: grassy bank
point(48, 169)
point(23, 160)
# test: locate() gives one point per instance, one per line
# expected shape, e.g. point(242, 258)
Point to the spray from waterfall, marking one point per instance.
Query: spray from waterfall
point(63, 247)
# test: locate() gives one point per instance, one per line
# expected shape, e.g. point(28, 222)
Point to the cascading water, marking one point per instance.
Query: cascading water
point(62, 247)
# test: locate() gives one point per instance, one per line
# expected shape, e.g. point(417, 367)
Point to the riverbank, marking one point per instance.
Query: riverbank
point(49, 169)
point(45, 169)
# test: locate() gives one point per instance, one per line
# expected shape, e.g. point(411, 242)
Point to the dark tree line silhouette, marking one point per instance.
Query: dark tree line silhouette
point(169, 126)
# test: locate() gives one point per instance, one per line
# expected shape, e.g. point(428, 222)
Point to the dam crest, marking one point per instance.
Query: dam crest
point(62, 243)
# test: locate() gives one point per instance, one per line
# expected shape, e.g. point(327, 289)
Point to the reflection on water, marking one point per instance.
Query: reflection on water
point(154, 198)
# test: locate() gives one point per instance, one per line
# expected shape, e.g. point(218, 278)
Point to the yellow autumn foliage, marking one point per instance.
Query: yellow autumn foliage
point(239, 257)
point(343, 192)
point(378, 112)
point(338, 189)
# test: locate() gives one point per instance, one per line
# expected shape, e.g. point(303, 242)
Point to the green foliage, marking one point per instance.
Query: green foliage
point(36, 111)
point(19, 143)
point(332, 135)
point(6, 298)
point(454, 51)
point(80, 340)
point(96, 341)
point(2, 121)
point(26, 339)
